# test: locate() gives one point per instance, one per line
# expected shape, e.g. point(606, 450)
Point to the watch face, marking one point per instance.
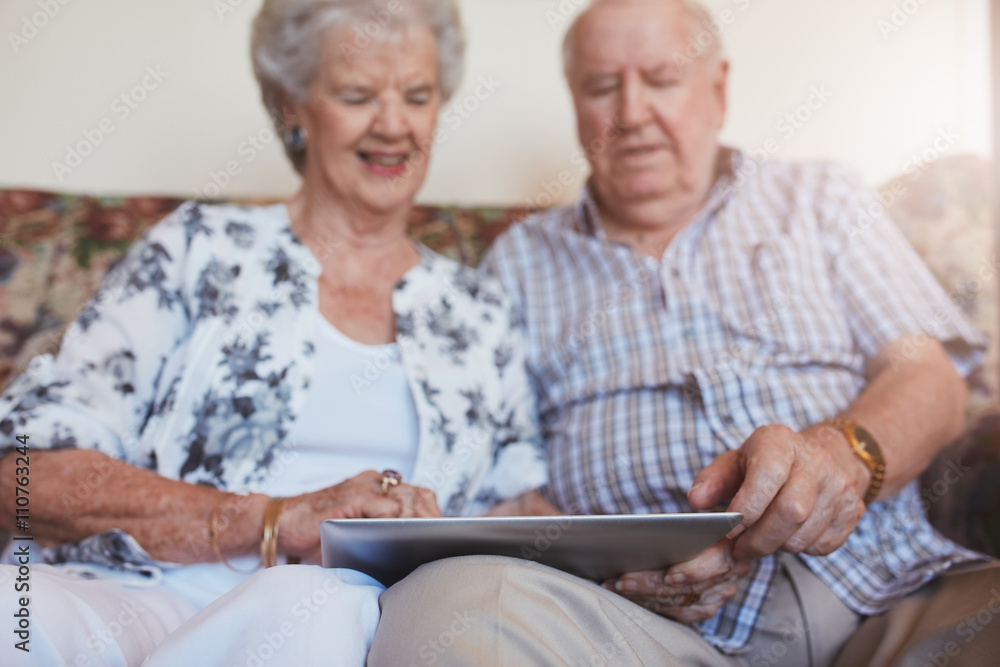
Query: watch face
point(868, 444)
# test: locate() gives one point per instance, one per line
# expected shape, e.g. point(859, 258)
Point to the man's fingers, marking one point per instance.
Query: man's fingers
point(769, 463)
point(845, 518)
point(815, 527)
point(835, 516)
point(716, 482)
point(788, 512)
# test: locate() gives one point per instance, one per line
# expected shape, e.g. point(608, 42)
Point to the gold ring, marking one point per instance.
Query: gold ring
point(390, 478)
point(690, 599)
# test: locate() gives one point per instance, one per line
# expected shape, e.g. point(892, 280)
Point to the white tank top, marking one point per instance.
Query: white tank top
point(349, 426)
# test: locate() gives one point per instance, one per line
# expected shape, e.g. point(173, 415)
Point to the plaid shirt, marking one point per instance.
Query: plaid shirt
point(763, 310)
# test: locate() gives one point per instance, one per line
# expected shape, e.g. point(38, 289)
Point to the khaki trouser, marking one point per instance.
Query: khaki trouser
point(490, 610)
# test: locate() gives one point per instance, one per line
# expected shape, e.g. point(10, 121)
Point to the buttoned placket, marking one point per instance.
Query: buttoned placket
point(721, 398)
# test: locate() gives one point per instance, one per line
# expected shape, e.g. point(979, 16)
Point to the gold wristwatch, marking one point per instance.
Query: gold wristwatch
point(865, 448)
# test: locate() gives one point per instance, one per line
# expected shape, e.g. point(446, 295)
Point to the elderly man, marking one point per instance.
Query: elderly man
point(710, 331)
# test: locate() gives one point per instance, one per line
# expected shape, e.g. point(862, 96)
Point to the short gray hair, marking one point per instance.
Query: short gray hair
point(287, 44)
point(697, 14)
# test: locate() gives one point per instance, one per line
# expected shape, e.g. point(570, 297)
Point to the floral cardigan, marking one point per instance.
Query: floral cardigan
point(194, 359)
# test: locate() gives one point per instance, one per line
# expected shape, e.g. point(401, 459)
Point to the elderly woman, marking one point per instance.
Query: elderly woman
point(244, 373)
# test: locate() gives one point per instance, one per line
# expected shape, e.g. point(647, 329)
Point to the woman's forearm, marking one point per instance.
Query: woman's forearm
point(78, 493)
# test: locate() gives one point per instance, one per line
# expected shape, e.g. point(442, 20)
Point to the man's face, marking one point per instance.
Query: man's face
point(647, 121)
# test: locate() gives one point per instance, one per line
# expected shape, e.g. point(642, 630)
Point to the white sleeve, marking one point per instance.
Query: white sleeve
point(100, 392)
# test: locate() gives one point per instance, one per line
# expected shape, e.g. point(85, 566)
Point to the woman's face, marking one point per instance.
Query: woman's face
point(370, 118)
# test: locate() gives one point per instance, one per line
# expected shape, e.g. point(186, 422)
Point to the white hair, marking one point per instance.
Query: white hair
point(695, 12)
point(287, 44)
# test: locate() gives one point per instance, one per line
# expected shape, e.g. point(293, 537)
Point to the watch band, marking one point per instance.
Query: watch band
point(866, 448)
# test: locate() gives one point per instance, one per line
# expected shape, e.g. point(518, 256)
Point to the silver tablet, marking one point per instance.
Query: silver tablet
point(593, 547)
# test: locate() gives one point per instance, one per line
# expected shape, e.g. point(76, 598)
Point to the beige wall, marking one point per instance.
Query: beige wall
point(893, 93)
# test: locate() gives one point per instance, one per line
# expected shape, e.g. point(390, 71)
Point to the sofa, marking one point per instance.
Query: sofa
point(55, 248)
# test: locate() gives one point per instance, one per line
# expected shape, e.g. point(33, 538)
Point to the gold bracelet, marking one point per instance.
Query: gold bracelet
point(213, 536)
point(269, 533)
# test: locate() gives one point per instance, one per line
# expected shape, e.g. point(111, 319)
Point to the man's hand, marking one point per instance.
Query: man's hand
point(801, 492)
point(710, 579)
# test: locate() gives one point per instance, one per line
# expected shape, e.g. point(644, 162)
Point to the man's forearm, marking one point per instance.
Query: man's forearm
point(914, 406)
point(78, 493)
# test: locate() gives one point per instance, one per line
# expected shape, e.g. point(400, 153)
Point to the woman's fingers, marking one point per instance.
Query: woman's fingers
point(687, 603)
point(712, 562)
point(415, 501)
point(359, 497)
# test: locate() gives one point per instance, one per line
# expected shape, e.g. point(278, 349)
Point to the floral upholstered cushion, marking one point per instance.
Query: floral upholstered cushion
point(54, 251)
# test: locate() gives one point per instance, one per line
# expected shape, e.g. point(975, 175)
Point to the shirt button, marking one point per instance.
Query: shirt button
point(727, 419)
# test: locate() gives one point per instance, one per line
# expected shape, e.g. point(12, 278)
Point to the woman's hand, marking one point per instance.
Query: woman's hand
point(689, 592)
point(359, 497)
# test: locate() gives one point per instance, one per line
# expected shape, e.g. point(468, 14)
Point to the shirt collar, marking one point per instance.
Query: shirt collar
point(587, 215)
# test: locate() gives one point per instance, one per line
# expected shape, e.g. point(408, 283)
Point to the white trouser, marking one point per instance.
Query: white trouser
point(288, 615)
